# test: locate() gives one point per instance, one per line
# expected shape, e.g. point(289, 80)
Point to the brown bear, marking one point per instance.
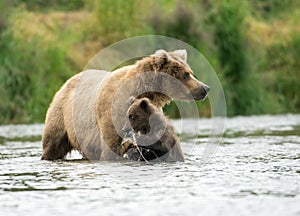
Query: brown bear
point(153, 134)
point(88, 112)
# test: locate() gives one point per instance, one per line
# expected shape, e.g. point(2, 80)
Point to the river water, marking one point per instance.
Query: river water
point(255, 171)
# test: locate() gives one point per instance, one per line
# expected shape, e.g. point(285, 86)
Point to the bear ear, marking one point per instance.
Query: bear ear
point(162, 56)
point(144, 104)
point(131, 99)
point(161, 53)
point(181, 53)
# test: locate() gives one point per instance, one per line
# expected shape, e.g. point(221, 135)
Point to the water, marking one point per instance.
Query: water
point(256, 171)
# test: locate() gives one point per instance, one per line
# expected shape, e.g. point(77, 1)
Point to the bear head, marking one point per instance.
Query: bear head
point(172, 75)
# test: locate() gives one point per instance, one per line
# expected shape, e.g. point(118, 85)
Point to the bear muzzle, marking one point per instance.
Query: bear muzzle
point(201, 92)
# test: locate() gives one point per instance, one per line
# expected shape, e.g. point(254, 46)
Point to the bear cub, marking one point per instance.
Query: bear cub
point(153, 133)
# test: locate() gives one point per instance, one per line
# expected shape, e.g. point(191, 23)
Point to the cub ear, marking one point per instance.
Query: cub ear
point(181, 53)
point(144, 104)
point(131, 99)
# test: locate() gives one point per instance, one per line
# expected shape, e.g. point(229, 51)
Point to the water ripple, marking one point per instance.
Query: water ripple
point(256, 171)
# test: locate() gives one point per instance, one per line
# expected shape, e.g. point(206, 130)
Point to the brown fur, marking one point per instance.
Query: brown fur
point(154, 133)
point(88, 112)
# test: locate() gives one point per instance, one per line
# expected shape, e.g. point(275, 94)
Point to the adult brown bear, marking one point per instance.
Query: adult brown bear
point(88, 112)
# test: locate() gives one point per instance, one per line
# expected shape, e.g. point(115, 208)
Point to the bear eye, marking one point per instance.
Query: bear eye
point(131, 116)
point(186, 75)
point(176, 69)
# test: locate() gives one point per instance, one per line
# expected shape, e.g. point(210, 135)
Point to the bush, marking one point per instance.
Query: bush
point(116, 20)
point(31, 71)
point(244, 94)
point(284, 62)
point(37, 5)
point(269, 8)
point(180, 24)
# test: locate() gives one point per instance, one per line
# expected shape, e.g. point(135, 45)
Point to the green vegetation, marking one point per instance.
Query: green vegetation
point(254, 46)
point(243, 90)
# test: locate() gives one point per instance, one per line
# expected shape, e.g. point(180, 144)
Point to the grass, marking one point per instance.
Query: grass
point(254, 48)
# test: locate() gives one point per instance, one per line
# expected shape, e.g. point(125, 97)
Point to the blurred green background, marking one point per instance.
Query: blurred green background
point(253, 45)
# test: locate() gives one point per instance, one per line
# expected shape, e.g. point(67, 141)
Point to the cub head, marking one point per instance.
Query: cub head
point(142, 116)
point(175, 64)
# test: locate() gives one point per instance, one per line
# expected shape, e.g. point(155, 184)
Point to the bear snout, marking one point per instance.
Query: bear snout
point(201, 93)
point(206, 88)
